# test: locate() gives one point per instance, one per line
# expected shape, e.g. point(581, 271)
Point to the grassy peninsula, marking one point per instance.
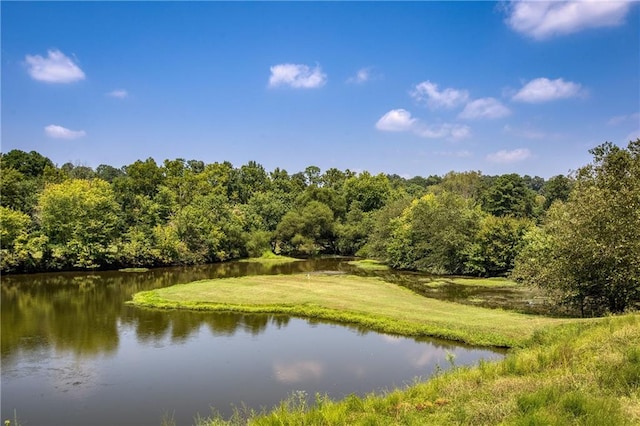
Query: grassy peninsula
point(559, 371)
point(367, 301)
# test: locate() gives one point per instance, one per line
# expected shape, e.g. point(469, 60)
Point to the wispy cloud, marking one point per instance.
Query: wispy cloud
point(58, 132)
point(362, 76)
point(544, 90)
point(619, 119)
point(400, 120)
point(484, 108)
point(118, 93)
point(513, 156)
point(545, 19)
point(55, 68)
point(444, 130)
point(525, 132)
point(458, 154)
point(298, 76)
point(448, 98)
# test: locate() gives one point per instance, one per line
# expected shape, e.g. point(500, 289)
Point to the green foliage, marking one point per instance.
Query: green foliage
point(80, 220)
point(371, 192)
point(497, 243)
point(30, 164)
point(435, 234)
point(556, 188)
point(18, 247)
point(588, 252)
point(509, 196)
point(307, 231)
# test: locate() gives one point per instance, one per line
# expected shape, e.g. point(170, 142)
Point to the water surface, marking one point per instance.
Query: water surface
point(74, 353)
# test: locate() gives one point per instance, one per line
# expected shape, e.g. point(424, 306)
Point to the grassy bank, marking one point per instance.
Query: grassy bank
point(493, 282)
point(369, 264)
point(269, 258)
point(369, 302)
point(573, 374)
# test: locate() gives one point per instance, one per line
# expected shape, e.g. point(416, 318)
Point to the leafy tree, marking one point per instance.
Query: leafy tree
point(333, 178)
point(80, 219)
point(30, 164)
point(328, 196)
point(587, 254)
point(509, 196)
point(497, 243)
point(470, 185)
point(308, 231)
point(313, 176)
point(74, 171)
point(18, 191)
point(108, 173)
point(382, 227)
point(435, 234)
point(14, 231)
point(353, 233)
point(371, 192)
point(556, 188)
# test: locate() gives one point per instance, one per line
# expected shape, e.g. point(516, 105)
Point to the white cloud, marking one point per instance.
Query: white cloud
point(484, 108)
point(400, 120)
point(545, 90)
point(118, 93)
point(55, 68)
point(59, 132)
point(614, 121)
point(448, 98)
point(524, 132)
point(362, 76)
point(445, 130)
point(542, 19)
point(298, 76)
point(513, 156)
point(396, 120)
point(459, 154)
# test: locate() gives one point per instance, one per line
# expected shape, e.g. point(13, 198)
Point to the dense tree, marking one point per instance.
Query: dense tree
point(470, 185)
point(18, 191)
point(108, 173)
point(556, 188)
point(509, 196)
point(370, 192)
point(310, 230)
point(435, 234)
point(30, 164)
point(80, 219)
point(382, 227)
point(497, 243)
point(588, 252)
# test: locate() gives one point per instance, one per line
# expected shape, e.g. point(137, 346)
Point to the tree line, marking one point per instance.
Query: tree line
point(187, 212)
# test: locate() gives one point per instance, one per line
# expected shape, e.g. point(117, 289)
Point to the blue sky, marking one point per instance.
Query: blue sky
point(412, 88)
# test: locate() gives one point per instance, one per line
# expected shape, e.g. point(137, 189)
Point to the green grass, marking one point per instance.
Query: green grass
point(366, 301)
point(133, 270)
point(585, 373)
point(270, 258)
point(369, 264)
point(493, 282)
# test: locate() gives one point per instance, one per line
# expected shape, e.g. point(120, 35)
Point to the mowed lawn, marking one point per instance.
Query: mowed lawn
point(366, 301)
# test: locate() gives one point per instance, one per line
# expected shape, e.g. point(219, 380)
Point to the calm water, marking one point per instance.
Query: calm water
point(74, 353)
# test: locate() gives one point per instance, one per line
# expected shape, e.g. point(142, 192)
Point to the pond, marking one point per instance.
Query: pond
point(74, 353)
